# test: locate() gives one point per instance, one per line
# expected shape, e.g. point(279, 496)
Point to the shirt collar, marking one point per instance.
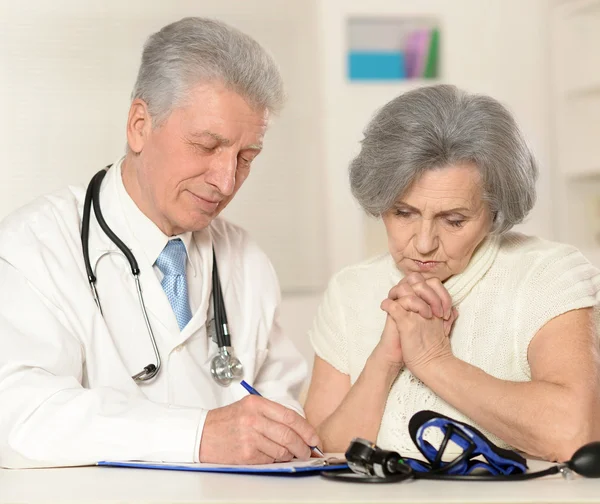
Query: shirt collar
point(150, 238)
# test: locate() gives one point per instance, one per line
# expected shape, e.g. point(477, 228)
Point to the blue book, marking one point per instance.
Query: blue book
point(376, 65)
point(295, 467)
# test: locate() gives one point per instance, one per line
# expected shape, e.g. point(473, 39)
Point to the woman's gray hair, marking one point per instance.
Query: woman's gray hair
point(195, 50)
point(439, 126)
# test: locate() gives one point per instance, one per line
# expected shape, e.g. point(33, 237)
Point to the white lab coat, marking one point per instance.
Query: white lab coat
point(66, 393)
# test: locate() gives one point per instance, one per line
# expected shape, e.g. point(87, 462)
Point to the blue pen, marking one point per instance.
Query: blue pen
point(251, 390)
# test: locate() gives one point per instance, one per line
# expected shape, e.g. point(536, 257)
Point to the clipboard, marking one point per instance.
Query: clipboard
point(295, 467)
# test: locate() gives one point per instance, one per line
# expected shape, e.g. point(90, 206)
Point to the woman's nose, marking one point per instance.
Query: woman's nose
point(426, 238)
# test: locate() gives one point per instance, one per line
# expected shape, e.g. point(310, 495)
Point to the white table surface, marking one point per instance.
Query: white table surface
point(87, 485)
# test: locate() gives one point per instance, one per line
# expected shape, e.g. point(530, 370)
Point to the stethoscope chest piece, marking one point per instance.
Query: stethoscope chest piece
point(226, 367)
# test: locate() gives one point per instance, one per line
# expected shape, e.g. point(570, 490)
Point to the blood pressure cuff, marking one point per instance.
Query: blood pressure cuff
point(491, 458)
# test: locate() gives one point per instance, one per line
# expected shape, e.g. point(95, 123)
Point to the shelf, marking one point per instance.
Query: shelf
point(580, 39)
point(583, 91)
point(576, 104)
point(589, 173)
point(400, 86)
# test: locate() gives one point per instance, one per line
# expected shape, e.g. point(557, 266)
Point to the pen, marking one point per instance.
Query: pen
point(251, 390)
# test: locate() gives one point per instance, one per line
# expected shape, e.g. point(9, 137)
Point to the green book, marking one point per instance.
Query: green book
point(431, 65)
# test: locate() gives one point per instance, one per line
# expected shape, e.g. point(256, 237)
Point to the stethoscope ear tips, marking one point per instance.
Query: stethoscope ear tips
point(586, 460)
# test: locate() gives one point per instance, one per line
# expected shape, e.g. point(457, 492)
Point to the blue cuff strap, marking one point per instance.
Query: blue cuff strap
point(479, 453)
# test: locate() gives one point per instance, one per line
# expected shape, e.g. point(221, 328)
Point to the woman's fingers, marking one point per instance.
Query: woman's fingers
point(450, 322)
point(411, 303)
point(414, 278)
point(436, 285)
point(434, 293)
point(404, 287)
point(399, 290)
point(431, 297)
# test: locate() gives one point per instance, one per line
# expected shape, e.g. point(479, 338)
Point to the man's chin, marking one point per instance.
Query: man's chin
point(199, 221)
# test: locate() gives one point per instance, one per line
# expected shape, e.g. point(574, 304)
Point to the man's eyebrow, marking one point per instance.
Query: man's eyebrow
point(224, 141)
point(221, 139)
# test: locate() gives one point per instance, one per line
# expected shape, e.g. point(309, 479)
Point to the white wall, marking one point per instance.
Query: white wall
point(296, 317)
point(67, 68)
point(576, 105)
point(498, 47)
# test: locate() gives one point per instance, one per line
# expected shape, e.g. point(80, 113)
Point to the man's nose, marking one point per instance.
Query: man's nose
point(222, 173)
point(426, 237)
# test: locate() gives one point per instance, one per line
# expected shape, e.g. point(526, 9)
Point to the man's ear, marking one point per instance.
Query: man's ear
point(139, 125)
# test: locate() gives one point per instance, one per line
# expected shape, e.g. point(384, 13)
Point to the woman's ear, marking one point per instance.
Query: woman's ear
point(139, 125)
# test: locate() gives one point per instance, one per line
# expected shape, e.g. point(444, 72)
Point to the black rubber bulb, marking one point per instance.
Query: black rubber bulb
point(586, 460)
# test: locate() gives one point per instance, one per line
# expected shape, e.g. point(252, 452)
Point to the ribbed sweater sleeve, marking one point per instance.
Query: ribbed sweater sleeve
point(557, 282)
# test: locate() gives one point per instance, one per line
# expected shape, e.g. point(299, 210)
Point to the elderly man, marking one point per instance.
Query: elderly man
point(75, 383)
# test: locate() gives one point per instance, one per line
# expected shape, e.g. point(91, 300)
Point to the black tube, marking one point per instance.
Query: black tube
point(85, 231)
point(97, 182)
point(223, 340)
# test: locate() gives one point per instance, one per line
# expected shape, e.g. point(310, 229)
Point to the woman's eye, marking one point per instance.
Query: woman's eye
point(455, 223)
point(401, 213)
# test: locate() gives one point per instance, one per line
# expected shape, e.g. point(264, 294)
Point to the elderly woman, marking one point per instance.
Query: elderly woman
point(463, 317)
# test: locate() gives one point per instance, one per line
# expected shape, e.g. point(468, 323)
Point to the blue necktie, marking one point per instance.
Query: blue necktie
point(171, 262)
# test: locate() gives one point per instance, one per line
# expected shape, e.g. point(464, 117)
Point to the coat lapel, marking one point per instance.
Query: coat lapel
point(155, 300)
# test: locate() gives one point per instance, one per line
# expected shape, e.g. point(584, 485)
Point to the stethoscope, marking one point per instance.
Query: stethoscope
point(225, 367)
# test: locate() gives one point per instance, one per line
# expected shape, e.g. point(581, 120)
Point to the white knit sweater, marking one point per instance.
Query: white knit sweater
point(512, 286)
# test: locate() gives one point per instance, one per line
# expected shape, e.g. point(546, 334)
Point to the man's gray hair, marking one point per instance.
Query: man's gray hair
point(197, 50)
point(438, 126)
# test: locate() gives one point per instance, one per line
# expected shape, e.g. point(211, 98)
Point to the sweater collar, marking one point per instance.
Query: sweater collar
point(459, 286)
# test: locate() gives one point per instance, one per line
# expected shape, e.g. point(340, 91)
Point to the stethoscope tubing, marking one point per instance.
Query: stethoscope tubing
point(92, 200)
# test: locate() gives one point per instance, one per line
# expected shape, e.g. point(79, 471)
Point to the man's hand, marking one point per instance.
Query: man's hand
point(255, 431)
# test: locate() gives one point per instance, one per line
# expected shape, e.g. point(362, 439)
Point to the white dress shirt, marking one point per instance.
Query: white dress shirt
point(152, 241)
point(66, 392)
